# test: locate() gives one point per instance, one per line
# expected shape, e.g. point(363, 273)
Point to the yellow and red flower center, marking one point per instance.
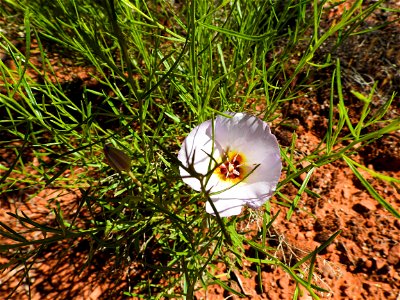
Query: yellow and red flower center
point(232, 168)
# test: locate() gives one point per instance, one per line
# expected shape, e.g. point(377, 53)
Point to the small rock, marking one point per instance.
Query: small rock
point(83, 75)
point(283, 282)
point(346, 192)
point(328, 272)
point(369, 263)
point(321, 237)
point(369, 204)
point(369, 224)
point(397, 223)
point(331, 248)
point(300, 236)
point(393, 257)
point(365, 206)
point(380, 263)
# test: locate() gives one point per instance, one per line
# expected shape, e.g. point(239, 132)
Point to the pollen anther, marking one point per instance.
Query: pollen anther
point(232, 167)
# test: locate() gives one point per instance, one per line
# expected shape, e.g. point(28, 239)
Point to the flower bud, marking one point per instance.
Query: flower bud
point(117, 159)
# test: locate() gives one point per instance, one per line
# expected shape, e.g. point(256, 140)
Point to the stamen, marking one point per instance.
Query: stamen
point(232, 168)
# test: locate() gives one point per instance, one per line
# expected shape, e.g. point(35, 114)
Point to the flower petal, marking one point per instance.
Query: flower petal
point(225, 208)
point(195, 154)
point(247, 193)
point(238, 130)
point(269, 170)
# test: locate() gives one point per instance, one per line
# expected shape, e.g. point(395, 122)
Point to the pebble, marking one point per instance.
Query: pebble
point(331, 248)
point(365, 206)
point(380, 263)
point(393, 257)
point(346, 192)
point(368, 204)
point(328, 272)
point(369, 263)
point(369, 223)
point(397, 223)
point(283, 282)
point(300, 236)
point(83, 75)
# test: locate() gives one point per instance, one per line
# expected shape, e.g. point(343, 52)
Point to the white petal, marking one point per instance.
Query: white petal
point(195, 152)
point(225, 208)
point(245, 192)
point(238, 130)
point(269, 170)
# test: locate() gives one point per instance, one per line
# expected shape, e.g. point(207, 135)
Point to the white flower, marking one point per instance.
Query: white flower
point(238, 161)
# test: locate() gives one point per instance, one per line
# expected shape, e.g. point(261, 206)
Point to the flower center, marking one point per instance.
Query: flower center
point(232, 169)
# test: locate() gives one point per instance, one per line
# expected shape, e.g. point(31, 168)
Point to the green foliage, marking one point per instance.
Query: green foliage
point(159, 71)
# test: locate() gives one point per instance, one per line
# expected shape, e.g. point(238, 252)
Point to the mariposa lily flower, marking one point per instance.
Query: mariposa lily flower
point(235, 159)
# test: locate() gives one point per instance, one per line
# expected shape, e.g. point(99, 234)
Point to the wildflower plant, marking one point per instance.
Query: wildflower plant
point(153, 71)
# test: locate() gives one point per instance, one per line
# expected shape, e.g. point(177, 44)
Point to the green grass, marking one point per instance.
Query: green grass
point(160, 71)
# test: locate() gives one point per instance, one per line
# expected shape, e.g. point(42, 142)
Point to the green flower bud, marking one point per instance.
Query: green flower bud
point(117, 159)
